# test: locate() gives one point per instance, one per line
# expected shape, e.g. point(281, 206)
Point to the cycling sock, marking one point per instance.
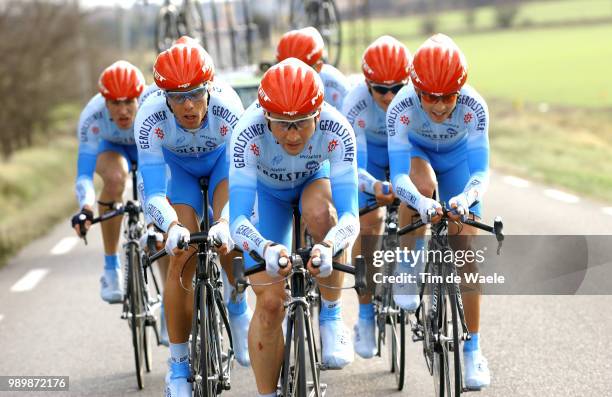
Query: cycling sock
point(473, 344)
point(329, 310)
point(111, 262)
point(237, 308)
point(179, 352)
point(366, 311)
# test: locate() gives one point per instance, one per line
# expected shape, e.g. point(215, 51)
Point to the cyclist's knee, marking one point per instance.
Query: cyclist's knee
point(319, 219)
point(179, 268)
point(114, 182)
point(270, 308)
point(372, 223)
point(425, 186)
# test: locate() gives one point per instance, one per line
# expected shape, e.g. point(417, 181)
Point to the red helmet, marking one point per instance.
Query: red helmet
point(386, 61)
point(182, 66)
point(121, 81)
point(439, 66)
point(304, 44)
point(186, 40)
point(292, 88)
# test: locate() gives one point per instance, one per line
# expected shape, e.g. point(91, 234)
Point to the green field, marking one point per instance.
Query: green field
point(561, 66)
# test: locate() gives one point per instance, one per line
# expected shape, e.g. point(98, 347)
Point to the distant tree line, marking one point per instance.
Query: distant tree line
point(48, 54)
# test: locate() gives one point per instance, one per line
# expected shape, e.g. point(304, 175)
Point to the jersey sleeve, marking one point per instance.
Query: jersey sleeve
point(89, 128)
point(478, 152)
point(343, 180)
point(399, 147)
point(149, 134)
point(243, 188)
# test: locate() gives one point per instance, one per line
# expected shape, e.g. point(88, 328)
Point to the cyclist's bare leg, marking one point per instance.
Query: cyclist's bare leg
point(178, 299)
point(220, 197)
point(371, 228)
point(470, 293)
point(424, 178)
point(112, 168)
point(320, 216)
point(265, 333)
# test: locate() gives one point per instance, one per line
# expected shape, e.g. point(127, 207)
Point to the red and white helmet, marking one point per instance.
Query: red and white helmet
point(182, 66)
point(291, 88)
point(121, 81)
point(386, 61)
point(439, 67)
point(305, 44)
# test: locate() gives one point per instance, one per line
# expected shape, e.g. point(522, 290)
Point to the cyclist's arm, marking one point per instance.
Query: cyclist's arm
point(478, 156)
point(242, 191)
point(343, 180)
point(356, 118)
point(87, 156)
point(153, 169)
point(399, 148)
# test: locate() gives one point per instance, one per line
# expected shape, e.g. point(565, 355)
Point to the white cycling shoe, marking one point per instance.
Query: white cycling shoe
point(337, 347)
point(110, 286)
point(365, 338)
point(240, 335)
point(476, 370)
point(177, 384)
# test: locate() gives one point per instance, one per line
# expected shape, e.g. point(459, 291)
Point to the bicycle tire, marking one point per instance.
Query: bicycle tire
point(452, 371)
point(397, 345)
point(136, 307)
point(294, 366)
point(199, 343)
point(166, 28)
point(214, 355)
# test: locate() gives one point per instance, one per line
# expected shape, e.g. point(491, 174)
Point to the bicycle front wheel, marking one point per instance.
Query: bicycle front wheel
point(450, 348)
point(136, 313)
point(396, 341)
point(293, 381)
point(166, 28)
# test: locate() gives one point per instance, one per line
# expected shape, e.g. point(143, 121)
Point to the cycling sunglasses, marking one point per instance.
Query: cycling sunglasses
point(433, 99)
point(195, 95)
point(383, 89)
point(285, 125)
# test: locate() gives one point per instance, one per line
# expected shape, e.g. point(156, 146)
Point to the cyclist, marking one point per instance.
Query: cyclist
point(308, 46)
point(106, 145)
point(293, 147)
point(385, 65)
point(185, 125)
point(441, 125)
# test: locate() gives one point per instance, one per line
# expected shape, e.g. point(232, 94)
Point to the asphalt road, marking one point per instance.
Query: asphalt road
point(536, 345)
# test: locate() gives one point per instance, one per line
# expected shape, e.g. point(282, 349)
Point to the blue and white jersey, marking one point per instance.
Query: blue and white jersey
point(150, 89)
point(335, 84)
point(464, 133)
point(157, 131)
point(258, 161)
point(95, 126)
point(368, 121)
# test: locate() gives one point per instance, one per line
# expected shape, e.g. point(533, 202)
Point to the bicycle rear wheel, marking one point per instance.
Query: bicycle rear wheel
point(166, 28)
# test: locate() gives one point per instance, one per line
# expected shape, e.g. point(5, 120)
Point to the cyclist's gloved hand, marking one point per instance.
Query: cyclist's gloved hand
point(221, 234)
point(272, 255)
point(82, 220)
point(176, 233)
point(425, 204)
point(152, 234)
point(461, 205)
point(325, 253)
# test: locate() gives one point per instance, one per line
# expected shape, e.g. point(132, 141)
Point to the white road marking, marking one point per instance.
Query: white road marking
point(30, 280)
point(516, 182)
point(561, 196)
point(1, 317)
point(64, 245)
point(607, 210)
